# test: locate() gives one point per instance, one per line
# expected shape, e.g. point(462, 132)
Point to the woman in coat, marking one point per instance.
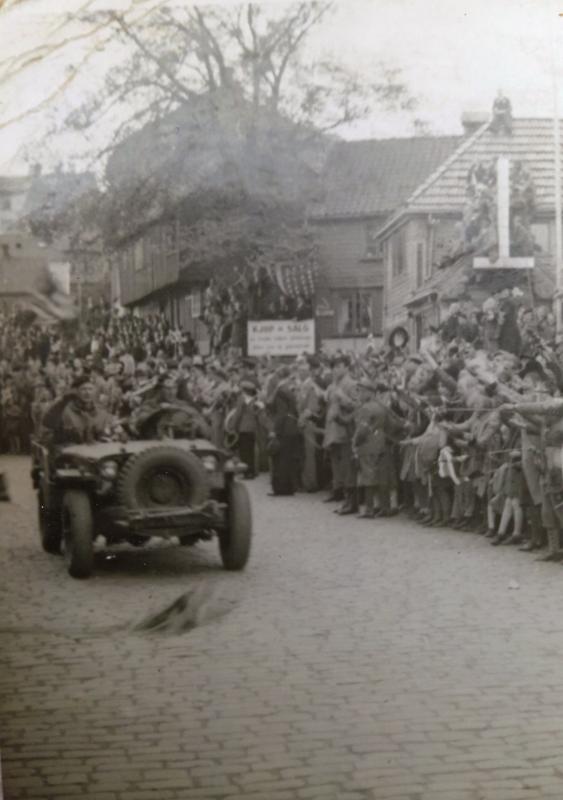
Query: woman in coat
point(285, 442)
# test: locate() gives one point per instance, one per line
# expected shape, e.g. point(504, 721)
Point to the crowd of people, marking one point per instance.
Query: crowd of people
point(458, 434)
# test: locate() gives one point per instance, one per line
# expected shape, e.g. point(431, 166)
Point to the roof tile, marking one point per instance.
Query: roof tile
point(372, 177)
point(531, 142)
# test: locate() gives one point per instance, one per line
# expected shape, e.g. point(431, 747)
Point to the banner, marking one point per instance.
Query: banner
point(281, 337)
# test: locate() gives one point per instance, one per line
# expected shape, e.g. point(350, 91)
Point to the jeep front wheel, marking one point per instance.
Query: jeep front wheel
point(234, 541)
point(78, 528)
point(49, 526)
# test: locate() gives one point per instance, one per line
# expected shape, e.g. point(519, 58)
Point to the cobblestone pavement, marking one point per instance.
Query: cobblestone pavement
point(361, 660)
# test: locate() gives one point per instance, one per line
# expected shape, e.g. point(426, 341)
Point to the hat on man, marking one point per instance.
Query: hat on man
point(377, 387)
point(533, 367)
point(249, 386)
point(81, 380)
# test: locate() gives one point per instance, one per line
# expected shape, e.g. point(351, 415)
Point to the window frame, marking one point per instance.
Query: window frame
point(423, 269)
point(353, 295)
point(138, 256)
point(370, 254)
point(196, 304)
point(398, 253)
point(545, 224)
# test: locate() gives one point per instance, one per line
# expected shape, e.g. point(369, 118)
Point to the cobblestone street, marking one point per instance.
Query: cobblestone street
point(361, 659)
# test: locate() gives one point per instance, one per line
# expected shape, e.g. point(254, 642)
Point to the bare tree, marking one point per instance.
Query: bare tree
point(247, 55)
point(219, 120)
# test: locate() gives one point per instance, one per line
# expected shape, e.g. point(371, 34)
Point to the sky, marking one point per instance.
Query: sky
point(455, 55)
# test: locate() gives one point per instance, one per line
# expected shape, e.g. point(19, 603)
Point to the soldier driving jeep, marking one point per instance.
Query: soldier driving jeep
point(76, 418)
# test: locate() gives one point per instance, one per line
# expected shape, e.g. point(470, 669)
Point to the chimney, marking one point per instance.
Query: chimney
point(471, 121)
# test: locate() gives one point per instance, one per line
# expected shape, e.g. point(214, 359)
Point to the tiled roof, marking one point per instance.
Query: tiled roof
point(373, 177)
point(57, 191)
point(14, 184)
point(531, 142)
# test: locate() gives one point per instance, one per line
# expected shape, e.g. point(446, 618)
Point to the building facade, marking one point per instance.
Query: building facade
point(31, 208)
point(13, 193)
point(153, 274)
point(425, 265)
point(364, 182)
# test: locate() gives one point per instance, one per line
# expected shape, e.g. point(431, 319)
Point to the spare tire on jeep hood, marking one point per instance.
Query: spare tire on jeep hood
point(162, 477)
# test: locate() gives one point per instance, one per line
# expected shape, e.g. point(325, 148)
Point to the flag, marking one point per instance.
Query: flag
point(295, 280)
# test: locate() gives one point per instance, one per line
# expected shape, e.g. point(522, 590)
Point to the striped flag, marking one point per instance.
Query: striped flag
point(295, 280)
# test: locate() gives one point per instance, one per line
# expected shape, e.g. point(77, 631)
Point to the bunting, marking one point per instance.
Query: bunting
point(296, 280)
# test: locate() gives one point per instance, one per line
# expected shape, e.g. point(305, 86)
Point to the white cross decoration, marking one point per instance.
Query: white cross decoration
point(504, 261)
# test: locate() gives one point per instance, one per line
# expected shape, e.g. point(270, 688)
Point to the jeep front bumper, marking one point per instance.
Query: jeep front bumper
point(169, 520)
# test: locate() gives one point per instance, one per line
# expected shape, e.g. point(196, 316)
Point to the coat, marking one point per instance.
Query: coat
point(308, 399)
point(342, 398)
point(247, 415)
point(372, 445)
point(70, 423)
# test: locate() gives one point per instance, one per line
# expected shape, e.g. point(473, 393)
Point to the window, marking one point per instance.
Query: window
point(6, 203)
point(422, 266)
point(374, 248)
point(138, 255)
point(398, 253)
point(427, 261)
point(170, 238)
point(196, 305)
point(540, 232)
point(152, 249)
point(354, 313)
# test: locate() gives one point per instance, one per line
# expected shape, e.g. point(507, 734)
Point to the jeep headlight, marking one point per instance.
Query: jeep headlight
point(234, 465)
point(108, 470)
point(209, 463)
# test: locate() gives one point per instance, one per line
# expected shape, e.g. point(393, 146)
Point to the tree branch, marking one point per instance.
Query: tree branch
point(186, 93)
point(214, 48)
point(209, 75)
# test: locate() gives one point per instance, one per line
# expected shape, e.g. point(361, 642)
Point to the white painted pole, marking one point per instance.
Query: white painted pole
point(503, 206)
point(558, 220)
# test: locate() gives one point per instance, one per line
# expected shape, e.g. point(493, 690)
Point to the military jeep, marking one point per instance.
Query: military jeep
point(183, 490)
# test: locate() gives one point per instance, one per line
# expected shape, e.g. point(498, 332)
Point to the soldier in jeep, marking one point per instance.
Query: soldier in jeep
point(75, 417)
point(158, 409)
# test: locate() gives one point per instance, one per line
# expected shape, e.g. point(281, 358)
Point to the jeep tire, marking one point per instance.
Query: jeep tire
point(78, 529)
point(50, 531)
point(235, 540)
point(160, 477)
